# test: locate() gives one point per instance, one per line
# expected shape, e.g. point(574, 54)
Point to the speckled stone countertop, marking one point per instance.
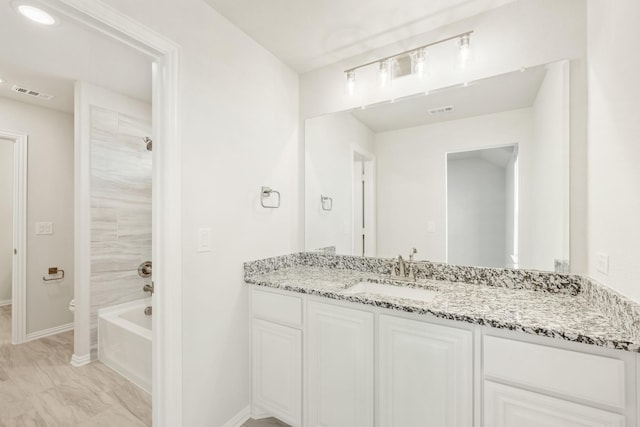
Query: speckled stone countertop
point(569, 314)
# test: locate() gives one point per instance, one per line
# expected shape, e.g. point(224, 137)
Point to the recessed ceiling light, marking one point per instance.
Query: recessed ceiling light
point(2, 80)
point(34, 13)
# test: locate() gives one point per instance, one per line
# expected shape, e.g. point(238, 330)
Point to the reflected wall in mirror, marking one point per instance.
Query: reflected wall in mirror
point(475, 174)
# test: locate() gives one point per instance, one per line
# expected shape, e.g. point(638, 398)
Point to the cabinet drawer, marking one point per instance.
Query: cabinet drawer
point(597, 379)
point(506, 406)
point(278, 308)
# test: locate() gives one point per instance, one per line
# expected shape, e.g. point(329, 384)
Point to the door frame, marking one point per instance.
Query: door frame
point(19, 224)
point(167, 204)
point(369, 158)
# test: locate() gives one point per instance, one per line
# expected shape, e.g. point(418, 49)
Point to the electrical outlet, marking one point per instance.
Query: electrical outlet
point(204, 240)
point(44, 228)
point(602, 263)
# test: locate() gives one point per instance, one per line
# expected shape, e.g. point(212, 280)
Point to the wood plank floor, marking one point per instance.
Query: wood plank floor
point(38, 386)
point(266, 422)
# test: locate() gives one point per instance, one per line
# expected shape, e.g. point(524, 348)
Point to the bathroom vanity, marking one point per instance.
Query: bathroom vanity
point(337, 341)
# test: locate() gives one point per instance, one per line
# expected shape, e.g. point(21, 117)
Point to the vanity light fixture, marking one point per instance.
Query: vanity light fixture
point(351, 82)
point(419, 61)
point(34, 13)
point(385, 72)
point(464, 57)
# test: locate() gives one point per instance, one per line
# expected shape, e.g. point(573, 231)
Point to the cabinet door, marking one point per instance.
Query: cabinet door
point(340, 366)
point(425, 374)
point(277, 370)
point(506, 406)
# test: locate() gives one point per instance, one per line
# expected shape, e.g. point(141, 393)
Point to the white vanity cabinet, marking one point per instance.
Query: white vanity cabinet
point(530, 385)
point(276, 340)
point(340, 366)
point(319, 362)
point(424, 374)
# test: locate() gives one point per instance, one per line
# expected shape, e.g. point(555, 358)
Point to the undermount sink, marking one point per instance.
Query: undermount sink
point(419, 294)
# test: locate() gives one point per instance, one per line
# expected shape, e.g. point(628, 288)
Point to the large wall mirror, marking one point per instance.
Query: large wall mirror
point(476, 174)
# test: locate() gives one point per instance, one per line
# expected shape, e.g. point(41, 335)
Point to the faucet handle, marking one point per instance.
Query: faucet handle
point(412, 274)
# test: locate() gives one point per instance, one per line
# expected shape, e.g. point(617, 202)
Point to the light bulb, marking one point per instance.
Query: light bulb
point(465, 55)
point(351, 82)
point(419, 62)
point(36, 14)
point(385, 73)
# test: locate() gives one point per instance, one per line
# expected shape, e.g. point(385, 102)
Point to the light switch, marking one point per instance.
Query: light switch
point(602, 263)
point(431, 226)
point(44, 228)
point(204, 240)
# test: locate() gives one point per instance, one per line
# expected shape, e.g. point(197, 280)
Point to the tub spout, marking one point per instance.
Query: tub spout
point(148, 288)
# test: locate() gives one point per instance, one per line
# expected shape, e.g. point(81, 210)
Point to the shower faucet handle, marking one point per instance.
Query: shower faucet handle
point(145, 269)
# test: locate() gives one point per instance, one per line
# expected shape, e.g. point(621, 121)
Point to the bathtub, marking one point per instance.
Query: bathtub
point(124, 341)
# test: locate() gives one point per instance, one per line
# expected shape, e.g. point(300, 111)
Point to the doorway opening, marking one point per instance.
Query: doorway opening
point(482, 207)
point(364, 203)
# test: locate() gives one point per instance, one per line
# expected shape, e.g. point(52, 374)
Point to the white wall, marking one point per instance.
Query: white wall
point(239, 132)
point(549, 209)
point(49, 198)
point(614, 151)
point(476, 212)
point(414, 160)
point(6, 219)
point(329, 163)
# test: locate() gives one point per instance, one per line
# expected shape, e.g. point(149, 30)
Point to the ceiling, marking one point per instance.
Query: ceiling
point(51, 59)
point(497, 156)
point(310, 34)
point(506, 92)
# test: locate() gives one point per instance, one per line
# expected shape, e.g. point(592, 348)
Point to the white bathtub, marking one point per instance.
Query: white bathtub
point(124, 341)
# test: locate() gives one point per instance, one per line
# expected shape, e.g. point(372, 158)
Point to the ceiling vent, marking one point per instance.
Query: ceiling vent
point(441, 110)
point(33, 93)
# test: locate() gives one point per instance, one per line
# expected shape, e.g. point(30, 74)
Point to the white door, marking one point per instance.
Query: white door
point(340, 366)
point(506, 406)
point(277, 370)
point(425, 374)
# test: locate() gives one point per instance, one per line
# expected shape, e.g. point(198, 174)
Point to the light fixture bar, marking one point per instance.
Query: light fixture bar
point(457, 36)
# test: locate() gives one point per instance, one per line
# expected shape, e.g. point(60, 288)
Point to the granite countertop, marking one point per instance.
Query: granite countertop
point(571, 317)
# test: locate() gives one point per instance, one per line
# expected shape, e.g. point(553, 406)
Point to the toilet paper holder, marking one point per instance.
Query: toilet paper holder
point(53, 271)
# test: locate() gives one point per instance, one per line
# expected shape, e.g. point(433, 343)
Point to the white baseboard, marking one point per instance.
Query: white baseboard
point(259, 414)
point(5, 302)
point(47, 332)
point(77, 361)
point(239, 419)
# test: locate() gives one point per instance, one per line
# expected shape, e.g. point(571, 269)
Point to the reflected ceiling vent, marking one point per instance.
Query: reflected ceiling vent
point(30, 92)
point(441, 110)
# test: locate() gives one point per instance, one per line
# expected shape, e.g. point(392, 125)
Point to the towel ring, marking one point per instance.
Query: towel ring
point(323, 202)
point(265, 193)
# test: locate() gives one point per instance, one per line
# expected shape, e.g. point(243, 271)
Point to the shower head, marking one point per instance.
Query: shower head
point(149, 142)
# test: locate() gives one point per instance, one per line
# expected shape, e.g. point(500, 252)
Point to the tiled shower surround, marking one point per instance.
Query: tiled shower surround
point(120, 209)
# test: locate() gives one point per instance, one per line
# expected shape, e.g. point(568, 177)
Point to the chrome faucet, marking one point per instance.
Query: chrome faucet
point(402, 273)
point(412, 252)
